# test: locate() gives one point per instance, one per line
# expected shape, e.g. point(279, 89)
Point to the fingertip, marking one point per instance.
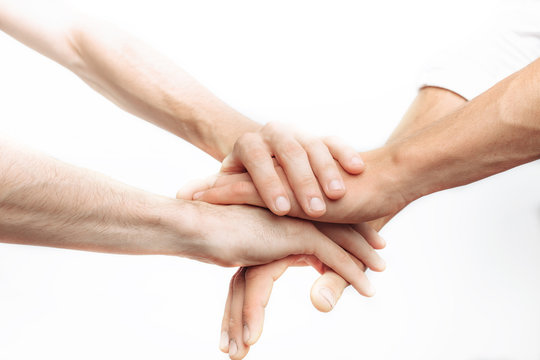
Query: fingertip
point(198, 195)
point(379, 243)
point(316, 207)
point(369, 290)
point(224, 342)
point(251, 334)
point(379, 266)
point(356, 164)
point(335, 189)
point(281, 205)
point(326, 299)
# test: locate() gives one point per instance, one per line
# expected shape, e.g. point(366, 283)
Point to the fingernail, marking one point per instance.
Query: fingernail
point(197, 195)
point(336, 185)
point(328, 295)
point(246, 334)
point(357, 161)
point(282, 204)
point(232, 348)
point(224, 342)
point(316, 204)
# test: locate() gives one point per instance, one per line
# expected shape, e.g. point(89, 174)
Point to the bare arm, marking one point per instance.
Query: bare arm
point(46, 202)
point(127, 72)
point(494, 132)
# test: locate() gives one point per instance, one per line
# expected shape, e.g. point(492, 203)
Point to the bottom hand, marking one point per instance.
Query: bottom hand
point(250, 290)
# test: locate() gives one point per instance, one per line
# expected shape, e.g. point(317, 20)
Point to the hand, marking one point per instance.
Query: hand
point(380, 191)
point(250, 290)
point(308, 165)
point(244, 236)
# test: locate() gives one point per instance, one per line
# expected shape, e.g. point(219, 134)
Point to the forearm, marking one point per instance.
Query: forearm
point(430, 105)
point(494, 132)
point(128, 72)
point(150, 86)
point(46, 202)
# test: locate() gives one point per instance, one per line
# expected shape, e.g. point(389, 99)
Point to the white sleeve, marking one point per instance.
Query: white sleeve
point(489, 55)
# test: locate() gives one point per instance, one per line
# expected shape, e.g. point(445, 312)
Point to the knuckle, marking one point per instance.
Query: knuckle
point(342, 257)
point(256, 156)
point(332, 139)
point(330, 168)
point(290, 149)
point(234, 322)
point(270, 183)
point(314, 144)
point(308, 183)
point(272, 127)
point(247, 142)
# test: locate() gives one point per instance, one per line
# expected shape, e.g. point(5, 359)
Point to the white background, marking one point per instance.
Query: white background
point(462, 280)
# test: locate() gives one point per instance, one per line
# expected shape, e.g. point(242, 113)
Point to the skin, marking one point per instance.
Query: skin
point(53, 204)
point(254, 293)
point(308, 164)
point(494, 132)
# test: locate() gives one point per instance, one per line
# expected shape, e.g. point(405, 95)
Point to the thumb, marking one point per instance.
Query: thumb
point(327, 290)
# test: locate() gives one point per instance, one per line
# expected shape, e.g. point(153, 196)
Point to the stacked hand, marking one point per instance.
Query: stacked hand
point(289, 174)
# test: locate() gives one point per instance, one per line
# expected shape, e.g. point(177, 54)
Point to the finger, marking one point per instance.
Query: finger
point(237, 193)
point(187, 191)
point(348, 158)
point(232, 164)
point(226, 179)
point(293, 159)
point(259, 282)
point(251, 151)
point(353, 242)
point(333, 256)
point(327, 290)
point(237, 348)
point(224, 340)
point(325, 168)
point(371, 236)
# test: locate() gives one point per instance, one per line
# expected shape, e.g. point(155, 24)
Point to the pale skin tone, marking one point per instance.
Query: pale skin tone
point(193, 116)
point(46, 202)
point(441, 143)
point(251, 287)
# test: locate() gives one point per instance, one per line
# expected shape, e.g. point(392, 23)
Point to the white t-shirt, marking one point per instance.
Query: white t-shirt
point(490, 54)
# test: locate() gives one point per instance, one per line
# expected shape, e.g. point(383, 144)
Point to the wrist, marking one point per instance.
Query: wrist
point(421, 172)
point(179, 233)
point(218, 127)
point(397, 173)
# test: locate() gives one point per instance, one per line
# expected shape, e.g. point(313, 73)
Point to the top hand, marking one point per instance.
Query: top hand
point(308, 167)
point(379, 191)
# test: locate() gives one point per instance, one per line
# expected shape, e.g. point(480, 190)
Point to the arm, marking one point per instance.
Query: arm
point(46, 202)
point(127, 72)
point(256, 282)
point(432, 107)
point(494, 132)
point(148, 85)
